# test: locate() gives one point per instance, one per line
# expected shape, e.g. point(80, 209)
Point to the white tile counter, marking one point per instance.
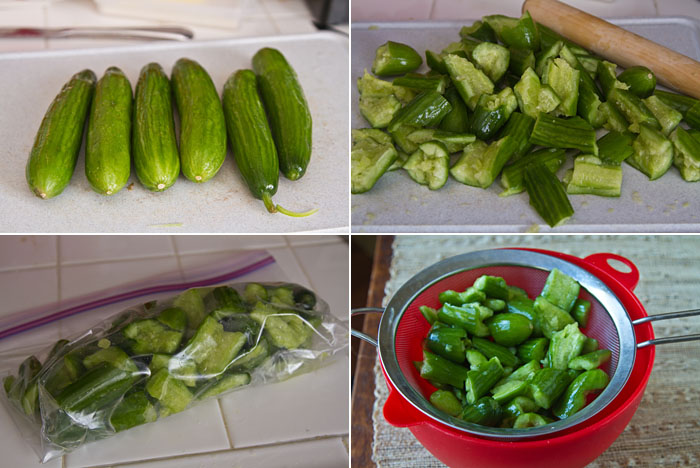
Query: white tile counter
point(259, 18)
point(300, 422)
point(416, 10)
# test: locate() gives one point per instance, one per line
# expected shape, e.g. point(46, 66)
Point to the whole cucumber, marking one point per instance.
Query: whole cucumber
point(108, 147)
point(250, 136)
point(156, 158)
point(202, 126)
point(54, 154)
point(287, 110)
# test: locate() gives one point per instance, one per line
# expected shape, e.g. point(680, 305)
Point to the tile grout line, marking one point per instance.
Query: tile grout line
point(432, 10)
point(223, 419)
point(301, 266)
point(216, 452)
point(177, 257)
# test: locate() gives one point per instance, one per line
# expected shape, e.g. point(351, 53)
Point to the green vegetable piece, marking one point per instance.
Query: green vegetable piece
point(564, 80)
point(614, 147)
point(151, 336)
point(547, 194)
point(525, 372)
point(453, 141)
point(668, 117)
point(135, 409)
point(470, 82)
point(687, 154)
point(475, 358)
point(378, 103)
point(520, 60)
point(547, 385)
point(566, 344)
point(285, 329)
point(573, 133)
point(467, 316)
point(512, 176)
point(492, 112)
point(519, 128)
point(590, 345)
point(526, 420)
point(509, 390)
point(492, 286)
point(113, 356)
point(158, 362)
point(448, 343)
point(252, 358)
point(56, 350)
point(394, 58)
point(97, 388)
point(590, 361)
point(457, 119)
point(470, 295)
point(607, 75)
point(429, 165)
point(429, 313)
point(427, 82)
point(492, 58)
point(224, 301)
point(581, 312)
point(482, 379)
point(425, 110)
point(282, 295)
point(211, 348)
point(486, 412)
point(551, 318)
point(305, 299)
point(679, 102)
point(510, 329)
point(641, 80)
point(513, 32)
point(401, 140)
point(191, 302)
point(443, 371)
point(23, 390)
point(516, 407)
point(533, 96)
point(480, 163)
point(546, 55)
point(371, 156)
point(446, 401)
point(491, 350)
point(613, 120)
point(576, 394)
point(653, 152)
point(497, 305)
point(633, 109)
point(561, 290)
point(171, 392)
point(479, 30)
point(224, 384)
point(533, 349)
point(515, 292)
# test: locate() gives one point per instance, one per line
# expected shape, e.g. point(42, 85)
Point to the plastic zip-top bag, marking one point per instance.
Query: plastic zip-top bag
point(165, 356)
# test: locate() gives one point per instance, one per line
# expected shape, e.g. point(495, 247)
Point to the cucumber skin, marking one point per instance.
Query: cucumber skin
point(108, 144)
point(250, 135)
point(156, 158)
point(55, 151)
point(287, 111)
point(202, 125)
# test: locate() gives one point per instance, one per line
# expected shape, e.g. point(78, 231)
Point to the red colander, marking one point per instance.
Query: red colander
point(617, 320)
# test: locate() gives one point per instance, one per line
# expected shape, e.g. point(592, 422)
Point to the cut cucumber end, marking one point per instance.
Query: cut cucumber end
point(269, 204)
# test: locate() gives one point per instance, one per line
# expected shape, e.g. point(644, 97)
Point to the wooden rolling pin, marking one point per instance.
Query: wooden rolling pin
point(617, 45)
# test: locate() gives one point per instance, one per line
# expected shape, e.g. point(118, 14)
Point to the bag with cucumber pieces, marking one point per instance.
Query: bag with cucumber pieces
point(162, 357)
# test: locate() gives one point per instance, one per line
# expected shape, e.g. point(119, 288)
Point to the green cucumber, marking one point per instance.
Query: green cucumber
point(251, 138)
point(202, 125)
point(108, 144)
point(641, 80)
point(156, 158)
point(287, 111)
point(55, 152)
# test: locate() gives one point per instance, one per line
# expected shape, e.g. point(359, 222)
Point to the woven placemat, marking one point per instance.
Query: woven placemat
point(665, 430)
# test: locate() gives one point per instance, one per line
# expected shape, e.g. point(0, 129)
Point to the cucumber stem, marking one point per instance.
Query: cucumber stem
point(272, 208)
point(267, 199)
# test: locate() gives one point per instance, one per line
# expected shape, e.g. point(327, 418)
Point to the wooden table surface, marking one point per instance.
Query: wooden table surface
point(363, 387)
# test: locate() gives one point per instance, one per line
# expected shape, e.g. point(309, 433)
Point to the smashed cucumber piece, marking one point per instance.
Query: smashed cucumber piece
point(134, 409)
point(533, 96)
point(284, 328)
point(591, 176)
point(372, 154)
point(173, 395)
point(227, 382)
point(687, 155)
point(564, 80)
point(480, 163)
point(469, 80)
point(653, 152)
point(151, 336)
point(211, 348)
point(429, 165)
point(192, 303)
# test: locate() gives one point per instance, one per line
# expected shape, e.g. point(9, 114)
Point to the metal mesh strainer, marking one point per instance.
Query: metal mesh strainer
point(403, 328)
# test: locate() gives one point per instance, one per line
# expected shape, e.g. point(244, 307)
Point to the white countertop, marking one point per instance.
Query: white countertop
point(306, 427)
point(416, 10)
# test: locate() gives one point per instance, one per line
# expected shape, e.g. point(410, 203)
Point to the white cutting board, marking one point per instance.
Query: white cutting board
point(30, 81)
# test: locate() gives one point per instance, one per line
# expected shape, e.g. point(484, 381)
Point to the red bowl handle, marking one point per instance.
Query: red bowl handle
point(399, 413)
point(628, 279)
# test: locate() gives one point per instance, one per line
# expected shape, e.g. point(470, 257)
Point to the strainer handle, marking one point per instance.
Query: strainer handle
point(667, 316)
point(359, 334)
point(628, 279)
